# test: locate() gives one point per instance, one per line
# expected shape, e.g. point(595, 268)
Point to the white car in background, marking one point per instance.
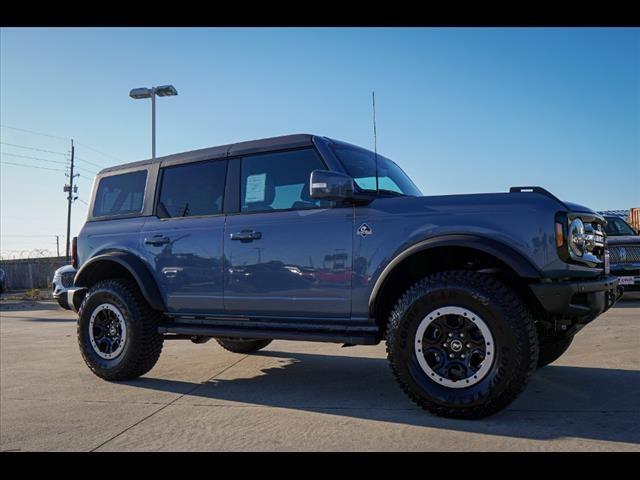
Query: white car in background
point(62, 280)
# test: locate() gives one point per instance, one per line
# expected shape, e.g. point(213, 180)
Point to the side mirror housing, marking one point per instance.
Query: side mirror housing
point(328, 185)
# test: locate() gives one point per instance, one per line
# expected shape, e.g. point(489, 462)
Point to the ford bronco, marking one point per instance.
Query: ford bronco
point(302, 237)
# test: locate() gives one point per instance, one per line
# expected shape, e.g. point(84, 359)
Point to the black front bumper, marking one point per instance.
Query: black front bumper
point(583, 300)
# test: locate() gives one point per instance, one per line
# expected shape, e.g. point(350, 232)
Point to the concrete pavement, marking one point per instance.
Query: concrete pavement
point(299, 396)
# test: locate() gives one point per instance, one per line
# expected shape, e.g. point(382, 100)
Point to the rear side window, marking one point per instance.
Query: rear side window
point(192, 189)
point(120, 194)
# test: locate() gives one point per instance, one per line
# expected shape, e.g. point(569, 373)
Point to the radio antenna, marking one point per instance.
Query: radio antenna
point(375, 137)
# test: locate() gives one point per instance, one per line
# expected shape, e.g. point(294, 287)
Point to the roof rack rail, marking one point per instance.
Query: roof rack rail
point(535, 189)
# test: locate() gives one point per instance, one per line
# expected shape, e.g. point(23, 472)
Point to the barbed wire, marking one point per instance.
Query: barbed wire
point(26, 253)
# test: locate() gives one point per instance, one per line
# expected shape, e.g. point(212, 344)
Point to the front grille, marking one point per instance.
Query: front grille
point(67, 279)
point(624, 254)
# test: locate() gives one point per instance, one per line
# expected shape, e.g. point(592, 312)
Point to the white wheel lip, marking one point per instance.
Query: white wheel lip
point(123, 329)
point(484, 329)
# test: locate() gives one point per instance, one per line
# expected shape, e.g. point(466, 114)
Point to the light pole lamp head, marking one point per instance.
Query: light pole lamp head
point(139, 93)
point(166, 91)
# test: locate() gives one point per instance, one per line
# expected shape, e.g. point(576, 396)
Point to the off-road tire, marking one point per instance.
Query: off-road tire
point(510, 323)
point(242, 345)
point(143, 343)
point(552, 348)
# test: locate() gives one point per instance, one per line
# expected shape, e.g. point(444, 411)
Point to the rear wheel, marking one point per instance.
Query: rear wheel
point(118, 331)
point(552, 348)
point(461, 344)
point(243, 345)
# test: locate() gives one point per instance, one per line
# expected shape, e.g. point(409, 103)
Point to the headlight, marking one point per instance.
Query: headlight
point(576, 238)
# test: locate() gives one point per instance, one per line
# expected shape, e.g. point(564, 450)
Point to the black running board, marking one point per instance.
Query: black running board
point(360, 336)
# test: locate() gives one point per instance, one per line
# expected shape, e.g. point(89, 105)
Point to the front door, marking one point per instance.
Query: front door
point(183, 242)
point(288, 255)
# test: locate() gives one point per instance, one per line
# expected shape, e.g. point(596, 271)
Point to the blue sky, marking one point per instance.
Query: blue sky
point(461, 110)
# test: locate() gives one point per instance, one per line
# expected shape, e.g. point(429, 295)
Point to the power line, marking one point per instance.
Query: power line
point(90, 163)
point(98, 151)
point(42, 160)
point(30, 166)
point(86, 170)
point(33, 158)
point(33, 148)
point(34, 132)
point(45, 151)
point(62, 138)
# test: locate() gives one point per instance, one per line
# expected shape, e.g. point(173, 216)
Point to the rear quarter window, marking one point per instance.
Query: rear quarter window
point(120, 194)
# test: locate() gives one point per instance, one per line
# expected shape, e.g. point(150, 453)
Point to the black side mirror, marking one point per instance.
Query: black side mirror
point(328, 185)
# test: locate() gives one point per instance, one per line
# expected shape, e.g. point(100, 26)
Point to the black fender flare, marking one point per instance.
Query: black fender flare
point(515, 260)
point(134, 265)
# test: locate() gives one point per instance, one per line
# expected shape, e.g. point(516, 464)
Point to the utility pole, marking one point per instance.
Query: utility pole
point(71, 190)
point(58, 244)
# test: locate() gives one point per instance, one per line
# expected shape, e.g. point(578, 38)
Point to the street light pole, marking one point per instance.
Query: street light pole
point(153, 123)
point(162, 91)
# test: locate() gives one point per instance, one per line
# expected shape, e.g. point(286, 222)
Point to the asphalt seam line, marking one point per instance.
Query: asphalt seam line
point(168, 404)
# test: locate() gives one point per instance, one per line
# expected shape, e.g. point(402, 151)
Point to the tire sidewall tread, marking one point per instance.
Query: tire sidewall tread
point(510, 322)
point(143, 345)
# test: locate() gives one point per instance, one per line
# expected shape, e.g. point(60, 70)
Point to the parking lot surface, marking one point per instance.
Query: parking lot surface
point(299, 396)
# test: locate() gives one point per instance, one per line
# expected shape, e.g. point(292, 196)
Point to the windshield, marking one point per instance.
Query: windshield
point(617, 227)
point(360, 164)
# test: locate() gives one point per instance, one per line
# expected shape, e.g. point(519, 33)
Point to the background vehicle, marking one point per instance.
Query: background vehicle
point(2, 280)
point(62, 280)
point(624, 252)
point(307, 238)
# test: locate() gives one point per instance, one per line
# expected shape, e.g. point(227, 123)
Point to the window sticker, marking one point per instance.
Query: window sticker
point(255, 188)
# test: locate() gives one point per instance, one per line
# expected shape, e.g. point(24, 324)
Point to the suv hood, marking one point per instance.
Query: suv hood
point(576, 207)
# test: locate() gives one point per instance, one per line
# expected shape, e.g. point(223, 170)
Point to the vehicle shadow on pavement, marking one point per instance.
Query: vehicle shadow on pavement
point(624, 303)
point(560, 401)
point(17, 306)
point(44, 320)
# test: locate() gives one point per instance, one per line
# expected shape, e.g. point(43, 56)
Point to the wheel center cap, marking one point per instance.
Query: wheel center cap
point(112, 330)
point(456, 345)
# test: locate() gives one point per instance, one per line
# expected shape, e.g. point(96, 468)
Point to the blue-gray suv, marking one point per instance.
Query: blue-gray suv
point(303, 237)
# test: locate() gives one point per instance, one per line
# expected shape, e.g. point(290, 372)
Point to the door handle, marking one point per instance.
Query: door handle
point(157, 240)
point(246, 236)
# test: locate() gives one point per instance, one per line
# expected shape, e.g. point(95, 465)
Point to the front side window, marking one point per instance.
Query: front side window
point(279, 181)
point(120, 194)
point(193, 189)
point(360, 164)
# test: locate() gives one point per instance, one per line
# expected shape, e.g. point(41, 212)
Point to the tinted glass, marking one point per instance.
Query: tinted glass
point(279, 181)
point(192, 189)
point(617, 227)
point(120, 194)
point(360, 164)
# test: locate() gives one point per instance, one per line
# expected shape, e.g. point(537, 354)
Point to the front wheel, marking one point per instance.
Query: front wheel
point(461, 344)
point(118, 331)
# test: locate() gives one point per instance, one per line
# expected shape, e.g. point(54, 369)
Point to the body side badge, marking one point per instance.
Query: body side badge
point(364, 230)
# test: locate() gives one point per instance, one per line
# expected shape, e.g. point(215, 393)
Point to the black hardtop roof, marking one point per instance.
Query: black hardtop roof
point(232, 149)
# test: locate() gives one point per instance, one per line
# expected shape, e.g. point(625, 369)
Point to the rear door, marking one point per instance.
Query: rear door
point(183, 241)
point(288, 255)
